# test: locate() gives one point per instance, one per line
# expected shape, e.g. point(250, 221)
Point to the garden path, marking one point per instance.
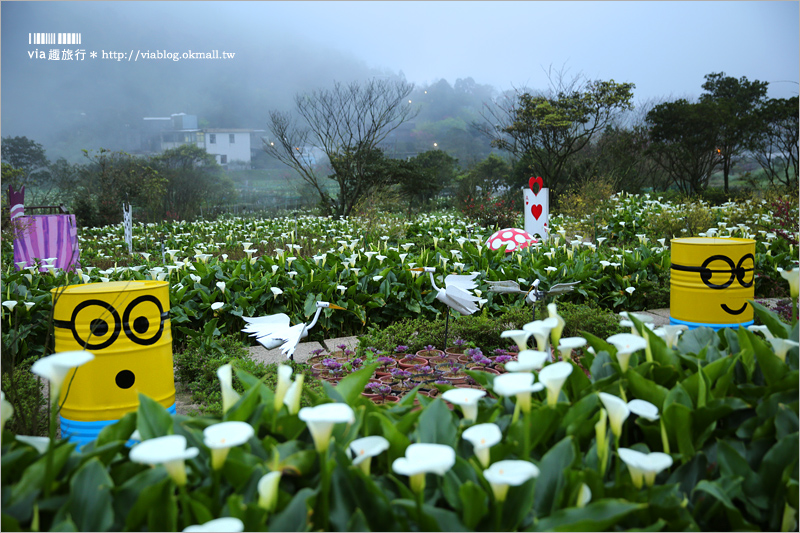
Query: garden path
point(304, 349)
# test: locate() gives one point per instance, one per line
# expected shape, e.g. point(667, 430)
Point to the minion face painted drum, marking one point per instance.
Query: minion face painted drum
point(711, 280)
point(126, 325)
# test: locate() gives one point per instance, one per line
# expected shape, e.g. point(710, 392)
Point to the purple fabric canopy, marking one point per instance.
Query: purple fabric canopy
point(44, 236)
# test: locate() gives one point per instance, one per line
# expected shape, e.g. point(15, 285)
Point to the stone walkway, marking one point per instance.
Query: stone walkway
point(304, 349)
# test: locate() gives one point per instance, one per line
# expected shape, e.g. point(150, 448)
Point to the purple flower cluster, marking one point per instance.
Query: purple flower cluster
point(459, 342)
point(430, 347)
point(357, 362)
point(378, 388)
point(401, 349)
point(385, 360)
point(317, 351)
point(332, 364)
point(502, 359)
point(400, 373)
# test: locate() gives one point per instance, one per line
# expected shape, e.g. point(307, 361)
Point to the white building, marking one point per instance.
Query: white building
point(231, 147)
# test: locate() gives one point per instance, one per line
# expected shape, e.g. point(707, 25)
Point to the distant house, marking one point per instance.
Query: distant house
point(231, 147)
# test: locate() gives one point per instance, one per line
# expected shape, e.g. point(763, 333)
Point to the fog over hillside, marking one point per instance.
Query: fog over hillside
point(69, 105)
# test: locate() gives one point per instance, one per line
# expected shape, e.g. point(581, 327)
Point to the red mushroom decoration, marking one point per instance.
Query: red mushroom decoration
point(512, 238)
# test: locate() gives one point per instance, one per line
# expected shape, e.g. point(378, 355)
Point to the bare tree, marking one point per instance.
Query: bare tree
point(347, 123)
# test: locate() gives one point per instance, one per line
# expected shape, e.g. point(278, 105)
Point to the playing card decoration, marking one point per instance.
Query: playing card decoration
point(16, 202)
point(537, 208)
point(512, 238)
point(127, 225)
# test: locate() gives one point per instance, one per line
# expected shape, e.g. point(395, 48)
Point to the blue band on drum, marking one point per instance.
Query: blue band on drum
point(81, 432)
point(695, 325)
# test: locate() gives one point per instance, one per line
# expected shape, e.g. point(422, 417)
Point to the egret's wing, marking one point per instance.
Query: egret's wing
point(292, 338)
point(461, 300)
point(279, 320)
point(461, 281)
point(504, 286)
point(561, 288)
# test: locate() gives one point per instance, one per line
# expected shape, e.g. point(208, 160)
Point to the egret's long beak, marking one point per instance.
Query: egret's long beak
point(334, 306)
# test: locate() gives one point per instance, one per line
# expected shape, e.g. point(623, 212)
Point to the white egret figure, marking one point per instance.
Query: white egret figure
point(455, 295)
point(272, 331)
point(533, 294)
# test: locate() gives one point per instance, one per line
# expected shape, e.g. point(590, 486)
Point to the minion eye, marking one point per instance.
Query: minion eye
point(98, 322)
point(136, 324)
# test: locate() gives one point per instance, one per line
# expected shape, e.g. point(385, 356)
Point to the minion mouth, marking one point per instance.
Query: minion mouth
point(733, 311)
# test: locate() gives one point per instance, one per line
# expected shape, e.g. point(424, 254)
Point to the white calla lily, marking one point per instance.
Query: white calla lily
point(284, 382)
point(626, 344)
point(39, 443)
point(540, 332)
point(555, 333)
point(268, 490)
point(293, 395)
point(568, 344)
point(553, 377)
point(793, 277)
point(482, 437)
point(618, 411)
point(761, 329)
point(221, 285)
point(55, 368)
point(170, 451)
point(644, 409)
point(226, 524)
point(584, 496)
point(510, 473)
point(518, 384)
point(644, 467)
point(519, 336)
point(220, 438)
point(672, 332)
point(782, 347)
point(321, 419)
point(424, 458)
point(467, 399)
point(229, 395)
point(364, 449)
point(527, 361)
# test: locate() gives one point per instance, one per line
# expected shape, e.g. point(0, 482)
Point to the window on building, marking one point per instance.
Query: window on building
point(232, 138)
point(212, 138)
point(223, 160)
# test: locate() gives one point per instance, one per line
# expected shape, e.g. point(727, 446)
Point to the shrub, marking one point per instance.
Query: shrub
point(491, 211)
point(196, 369)
point(484, 331)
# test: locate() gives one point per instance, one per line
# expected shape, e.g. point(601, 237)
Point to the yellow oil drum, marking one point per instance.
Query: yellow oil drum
point(711, 280)
point(126, 325)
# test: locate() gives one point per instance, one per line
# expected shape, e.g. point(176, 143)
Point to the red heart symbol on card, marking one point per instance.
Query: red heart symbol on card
point(532, 181)
point(536, 211)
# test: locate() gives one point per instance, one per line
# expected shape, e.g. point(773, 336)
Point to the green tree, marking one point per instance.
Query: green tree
point(775, 148)
point(111, 178)
point(433, 172)
point(735, 105)
point(193, 180)
point(486, 178)
point(683, 141)
point(550, 128)
point(346, 123)
point(28, 156)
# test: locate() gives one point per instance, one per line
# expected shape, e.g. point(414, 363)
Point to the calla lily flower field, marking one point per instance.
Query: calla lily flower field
point(675, 430)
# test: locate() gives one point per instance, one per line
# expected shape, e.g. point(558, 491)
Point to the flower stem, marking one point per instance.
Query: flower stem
point(186, 508)
point(526, 436)
point(498, 516)
point(325, 491)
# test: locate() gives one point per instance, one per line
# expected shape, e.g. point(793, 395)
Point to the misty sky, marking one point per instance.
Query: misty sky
point(664, 48)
